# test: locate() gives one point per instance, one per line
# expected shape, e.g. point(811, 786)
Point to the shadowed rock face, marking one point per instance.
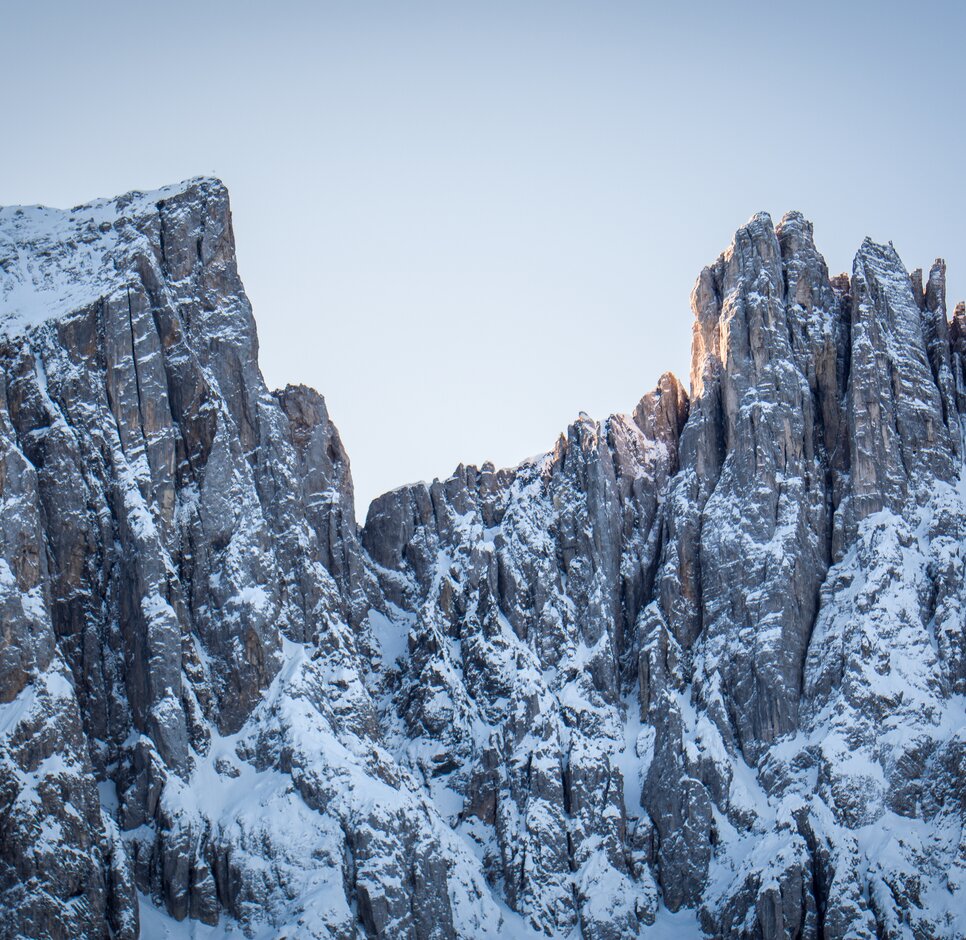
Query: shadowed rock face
point(709, 655)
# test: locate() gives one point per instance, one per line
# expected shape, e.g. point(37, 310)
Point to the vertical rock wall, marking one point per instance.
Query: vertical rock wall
point(707, 656)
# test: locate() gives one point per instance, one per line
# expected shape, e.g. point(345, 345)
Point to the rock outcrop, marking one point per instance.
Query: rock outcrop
point(702, 664)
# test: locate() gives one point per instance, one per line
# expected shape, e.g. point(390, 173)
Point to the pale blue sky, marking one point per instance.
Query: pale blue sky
point(465, 222)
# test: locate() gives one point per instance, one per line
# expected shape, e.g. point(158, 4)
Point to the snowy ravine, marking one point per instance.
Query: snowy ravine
point(698, 671)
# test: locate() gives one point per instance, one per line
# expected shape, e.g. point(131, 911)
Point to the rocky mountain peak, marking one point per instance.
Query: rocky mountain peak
point(697, 669)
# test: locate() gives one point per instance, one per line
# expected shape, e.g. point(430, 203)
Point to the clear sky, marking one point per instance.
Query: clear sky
point(465, 222)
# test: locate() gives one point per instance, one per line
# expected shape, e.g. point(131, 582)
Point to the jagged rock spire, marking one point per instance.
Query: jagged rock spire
point(705, 656)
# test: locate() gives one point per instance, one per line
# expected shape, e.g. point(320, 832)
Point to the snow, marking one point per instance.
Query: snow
point(56, 261)
point(391, 635)
point(159, 925)
point(50, 689)
point(108, 794)
point(635, 757)
point(12, 713)
point(677, 925)
point(252, 595)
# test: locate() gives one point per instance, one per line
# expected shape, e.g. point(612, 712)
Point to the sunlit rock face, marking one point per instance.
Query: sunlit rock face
point(700, 668)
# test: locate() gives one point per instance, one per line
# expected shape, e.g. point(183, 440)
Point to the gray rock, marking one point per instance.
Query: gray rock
point(708, 656)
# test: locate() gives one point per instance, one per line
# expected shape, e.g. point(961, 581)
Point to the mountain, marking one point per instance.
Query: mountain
point(700, 669)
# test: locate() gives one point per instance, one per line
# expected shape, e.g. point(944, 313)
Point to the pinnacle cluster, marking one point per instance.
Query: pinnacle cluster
point(700, 669)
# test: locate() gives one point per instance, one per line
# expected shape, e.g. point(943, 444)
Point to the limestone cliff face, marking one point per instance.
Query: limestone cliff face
point(183, 596)
point(706, 657)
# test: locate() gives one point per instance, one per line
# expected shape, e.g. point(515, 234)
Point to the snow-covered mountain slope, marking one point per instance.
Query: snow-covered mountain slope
point(699, 669)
